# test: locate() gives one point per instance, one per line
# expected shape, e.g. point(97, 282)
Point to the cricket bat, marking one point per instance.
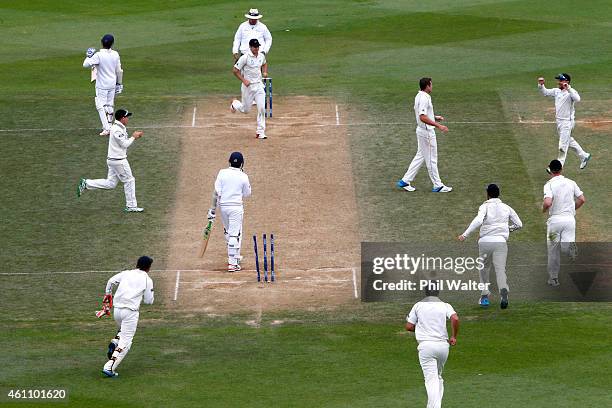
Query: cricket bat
point(205, 236)
point(94, 73)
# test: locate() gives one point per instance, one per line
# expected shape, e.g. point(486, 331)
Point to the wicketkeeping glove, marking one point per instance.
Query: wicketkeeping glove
point(90, 52)
point(211, 214)
point(118, 88)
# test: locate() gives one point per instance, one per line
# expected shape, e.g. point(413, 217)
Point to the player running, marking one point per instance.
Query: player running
point(565, 101)
point(107, 72)
point(130, 289)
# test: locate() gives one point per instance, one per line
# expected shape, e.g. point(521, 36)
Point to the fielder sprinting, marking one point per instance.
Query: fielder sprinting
point(249, 70)
point(108, 75)
point(427, 151)
point(231, 187)
point(118, 166)
point(248, 30)
point(496, 220)
point(565, 101)
point(130, 289)
point(562, 197)
point(427, 319)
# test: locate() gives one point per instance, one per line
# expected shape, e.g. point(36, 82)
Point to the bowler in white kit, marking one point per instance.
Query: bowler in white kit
point(562, 197)
point(427, 151)
point(231, 187)
point(118, 166)
point(566, 98)
point(496, 220)
point(427, 319)
point(249, 69)
point(131, 288)
point(108, 75)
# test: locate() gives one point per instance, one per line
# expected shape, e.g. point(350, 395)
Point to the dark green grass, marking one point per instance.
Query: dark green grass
point(484, 57)
point(323, 361)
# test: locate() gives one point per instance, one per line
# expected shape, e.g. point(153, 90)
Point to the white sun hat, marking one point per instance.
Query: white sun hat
point(253, 14)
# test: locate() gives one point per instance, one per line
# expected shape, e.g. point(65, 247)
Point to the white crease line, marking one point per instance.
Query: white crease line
point(355, 283)
point(337, 116)
point(176, 286)
point(246, 126)
point(254, 281)
point(322, 269)
point(194, 117)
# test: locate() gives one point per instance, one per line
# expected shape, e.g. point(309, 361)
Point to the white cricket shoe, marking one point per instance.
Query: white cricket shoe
point(105, 133)
point(442, 189)
point(233, 268)
point(553, 282)
point(133, 209)
point(232, 108)
point(585, 161)
point(261, 136)
point(406, 186)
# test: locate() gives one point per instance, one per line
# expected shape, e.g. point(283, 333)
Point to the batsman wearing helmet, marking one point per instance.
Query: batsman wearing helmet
point(107, 73)
point(131, 287)
point(231, 187)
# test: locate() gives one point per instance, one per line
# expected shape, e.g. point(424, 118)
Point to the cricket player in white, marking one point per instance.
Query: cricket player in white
point(108, 77)
point(562, 197)
point(565, 101)
point(131, 287)
point(426, 139)
point(231, 187)
point(496, 220)
point(249, 70)
point(118, 166)
point(248, 30)
point(427, 319)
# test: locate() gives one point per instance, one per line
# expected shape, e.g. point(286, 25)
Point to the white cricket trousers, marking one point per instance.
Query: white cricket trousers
point(118, 170)
point(566, 141)
point(127, 321)
point(561, 235)
point(427, 153)
point(433, 356)
point(105, 105)
point(493, 254)
point(253, 92)
point(232, 216)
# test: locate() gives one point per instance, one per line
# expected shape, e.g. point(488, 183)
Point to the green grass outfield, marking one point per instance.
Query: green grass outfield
point(484, 57)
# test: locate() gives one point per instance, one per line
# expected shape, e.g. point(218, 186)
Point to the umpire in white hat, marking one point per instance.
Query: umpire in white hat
point(248, 30)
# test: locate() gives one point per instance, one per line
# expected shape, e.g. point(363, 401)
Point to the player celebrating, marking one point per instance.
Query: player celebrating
point(118, 166)
point(131, 287)
point(427, 319)
point(565, 99)
point(495, 220)
point(562, 197)
point(107, 72)
point(249, 70)
point(231, 187)
point(248, 30)
point(426, 139)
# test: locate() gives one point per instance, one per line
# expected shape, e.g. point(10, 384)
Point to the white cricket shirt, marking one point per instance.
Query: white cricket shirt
point(132, 286)
point(564, 101)
point(563, 192)
point(429, 316)
point(118, 141)
point(493, 219)
point(109, 68)
point(250, 66)
point(246, 32)
point(423, 106)
point(232, 185)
